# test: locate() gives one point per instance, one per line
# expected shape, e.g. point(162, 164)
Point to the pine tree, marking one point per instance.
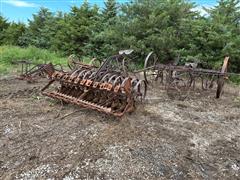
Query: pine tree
point(3, 25)
point(110, 10)
point(39, 29)
point(13, 33)
point(156, 25)
point(102, 43)
point(224, 33)
point(76, 29)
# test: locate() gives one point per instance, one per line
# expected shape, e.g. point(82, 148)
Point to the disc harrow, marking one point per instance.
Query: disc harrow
point(106, 89)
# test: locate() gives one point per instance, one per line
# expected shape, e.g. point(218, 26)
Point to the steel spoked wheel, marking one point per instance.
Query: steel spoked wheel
point(150, 71)
point(208, 81)
point(95, 62)
point(73, 60)
point(58, 67)
point(179, 86)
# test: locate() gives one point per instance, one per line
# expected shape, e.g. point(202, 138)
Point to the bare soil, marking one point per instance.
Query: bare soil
point(40, 138)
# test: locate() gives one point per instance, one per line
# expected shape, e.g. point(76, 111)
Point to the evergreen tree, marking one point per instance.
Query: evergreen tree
point(157, 25)
point(39, 29)
point(13, 33)
point(3, 25)
point(110, 10)
point(223, 36)
point(102, 40)
point(76, 29)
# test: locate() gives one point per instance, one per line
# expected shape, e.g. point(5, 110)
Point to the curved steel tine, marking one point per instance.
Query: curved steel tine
point(118, 80)
point(87, 73)
point(112, 78)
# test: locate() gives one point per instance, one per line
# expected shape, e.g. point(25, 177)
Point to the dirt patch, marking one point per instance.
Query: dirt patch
point(198, 138)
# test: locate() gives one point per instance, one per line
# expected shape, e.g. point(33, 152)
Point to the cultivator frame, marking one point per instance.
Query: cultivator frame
point(180, 80)
point(107, 89)
point(31, 72)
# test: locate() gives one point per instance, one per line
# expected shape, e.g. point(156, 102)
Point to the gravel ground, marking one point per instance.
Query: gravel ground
point(40, 138)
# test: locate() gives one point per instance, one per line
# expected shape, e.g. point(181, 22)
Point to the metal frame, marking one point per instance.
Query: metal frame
point(180, 80)
point(107, 89)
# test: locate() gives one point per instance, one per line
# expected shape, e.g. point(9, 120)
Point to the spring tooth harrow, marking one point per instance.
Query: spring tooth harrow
point(106, 89)
point(180, 80)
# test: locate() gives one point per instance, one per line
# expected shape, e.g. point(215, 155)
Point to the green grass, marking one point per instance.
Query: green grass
point(235, 79)
point(9, 54)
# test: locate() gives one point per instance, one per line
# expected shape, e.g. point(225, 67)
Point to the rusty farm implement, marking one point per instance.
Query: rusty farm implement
point(31, 72)
point(108, 88)
point(112, 87)
point(179, 81)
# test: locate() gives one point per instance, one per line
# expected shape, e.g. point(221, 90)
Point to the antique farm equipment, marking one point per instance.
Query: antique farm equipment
point(107, 89)
point(30, 71)
point(75, 63)
point(180, 80)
